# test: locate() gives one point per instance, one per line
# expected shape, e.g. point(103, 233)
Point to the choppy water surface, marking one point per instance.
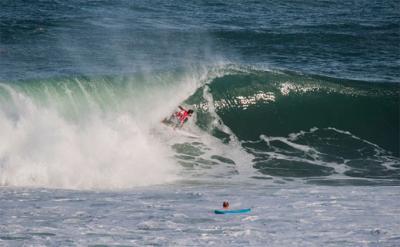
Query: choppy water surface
point(183, 216)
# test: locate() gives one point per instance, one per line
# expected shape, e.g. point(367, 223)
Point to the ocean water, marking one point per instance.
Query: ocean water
point(297, 110)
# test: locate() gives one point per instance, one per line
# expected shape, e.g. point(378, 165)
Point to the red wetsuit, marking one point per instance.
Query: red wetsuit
point(182, 116)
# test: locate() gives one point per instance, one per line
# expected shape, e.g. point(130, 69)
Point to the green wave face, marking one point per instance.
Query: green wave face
point(278, 104)
point(79, 97)
point(307, 126)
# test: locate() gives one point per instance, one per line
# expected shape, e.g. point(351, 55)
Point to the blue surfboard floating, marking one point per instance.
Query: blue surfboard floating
point(238, 211)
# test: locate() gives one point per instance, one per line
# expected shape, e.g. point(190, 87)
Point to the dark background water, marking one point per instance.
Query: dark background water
point(345, 39)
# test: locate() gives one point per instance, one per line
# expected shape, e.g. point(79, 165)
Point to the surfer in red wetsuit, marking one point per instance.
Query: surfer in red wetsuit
point(178, 118)
point(183, 115)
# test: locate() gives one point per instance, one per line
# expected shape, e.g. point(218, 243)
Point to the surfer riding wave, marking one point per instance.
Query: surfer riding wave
point(179, 118)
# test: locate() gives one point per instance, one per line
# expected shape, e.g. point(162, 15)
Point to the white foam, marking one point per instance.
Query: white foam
point(314, 156)
point(41, 148)
point(233, 150)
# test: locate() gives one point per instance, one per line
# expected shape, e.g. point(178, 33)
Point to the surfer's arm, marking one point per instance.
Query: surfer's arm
point(181, 108)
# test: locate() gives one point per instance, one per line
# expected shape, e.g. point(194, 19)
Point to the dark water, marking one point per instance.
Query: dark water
point(357, 39)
